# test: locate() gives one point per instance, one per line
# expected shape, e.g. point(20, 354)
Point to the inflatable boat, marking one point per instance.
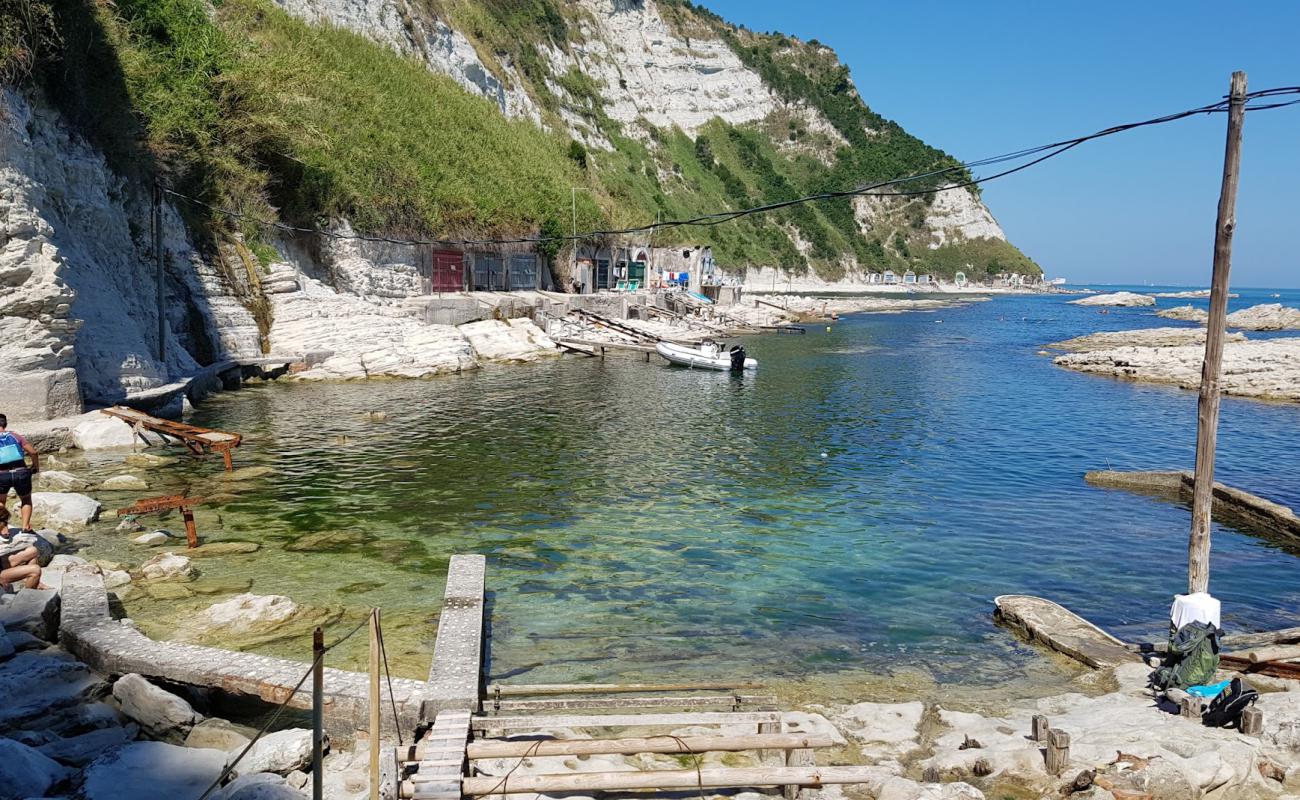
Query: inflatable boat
point(709, 355)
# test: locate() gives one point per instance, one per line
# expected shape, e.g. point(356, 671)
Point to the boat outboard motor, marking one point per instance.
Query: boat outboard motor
point(737, 358)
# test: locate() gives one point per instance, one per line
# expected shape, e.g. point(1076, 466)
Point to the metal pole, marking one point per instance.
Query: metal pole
point(158, 272)
point(374, 704)
point(1207, 423)
point(318, 714)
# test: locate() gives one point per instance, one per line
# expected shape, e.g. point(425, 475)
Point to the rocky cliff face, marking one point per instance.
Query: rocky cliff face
point(77, 278)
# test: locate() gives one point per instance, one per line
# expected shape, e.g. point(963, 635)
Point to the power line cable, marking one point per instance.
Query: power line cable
point(1044, 152)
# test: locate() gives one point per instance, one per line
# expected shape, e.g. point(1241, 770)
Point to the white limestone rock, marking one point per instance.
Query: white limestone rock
point(1123, 299)
point(124, 483)
point(508, 340)
point(884, 730)
point(152, 769)
point(153, 538)
point(161, 713)
point(64, 511)
point(58, 481)
point(27, 772)
point(246, 613)
point(1140, 337)
point(80, 750)
point(1268, 369)
point(258, 786)
point(1185, 313)
point(35, 611)
point(116, 578)
point(802, 722)
point(280, 752)
point(38, 684)
point(102, 432)
point(366, 337)
point(1266, 317)
point(168, 566)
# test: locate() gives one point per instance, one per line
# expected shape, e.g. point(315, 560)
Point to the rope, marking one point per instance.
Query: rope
point(532, 751)
point(279, 709)
point(383, 651)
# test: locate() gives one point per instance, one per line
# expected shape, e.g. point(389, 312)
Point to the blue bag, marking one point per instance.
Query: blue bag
point(10, 451)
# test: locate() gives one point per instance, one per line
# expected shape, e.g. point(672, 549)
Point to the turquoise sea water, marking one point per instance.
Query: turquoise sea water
point(853, 506)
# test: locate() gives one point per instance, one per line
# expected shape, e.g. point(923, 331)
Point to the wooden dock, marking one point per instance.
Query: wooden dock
point(195, 438)
point(463, 724)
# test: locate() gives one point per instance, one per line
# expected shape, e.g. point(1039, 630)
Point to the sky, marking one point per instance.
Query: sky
point(980, 79)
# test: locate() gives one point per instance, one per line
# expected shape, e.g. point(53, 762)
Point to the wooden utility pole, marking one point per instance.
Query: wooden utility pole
point(374, 704)
point(1207, 426)
point(318, 715)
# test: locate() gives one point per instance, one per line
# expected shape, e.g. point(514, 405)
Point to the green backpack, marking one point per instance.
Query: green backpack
point(1192, 659)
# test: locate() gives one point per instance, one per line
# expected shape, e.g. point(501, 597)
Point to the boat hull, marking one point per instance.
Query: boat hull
point(695, 359)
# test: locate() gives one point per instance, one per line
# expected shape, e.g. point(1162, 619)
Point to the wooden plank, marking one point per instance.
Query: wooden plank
point(595, 343)
point(1058, 751)
point(527, 690)
point(732, 701)
point(1263, 655)
point(626, 720)
point(649, 744)
point(1057, 627)
point(454, 678)
point(1246, 641)
point(1276, 669)
point(670, 779)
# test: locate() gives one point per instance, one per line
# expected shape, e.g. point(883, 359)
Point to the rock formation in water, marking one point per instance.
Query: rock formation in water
point(1123, 299)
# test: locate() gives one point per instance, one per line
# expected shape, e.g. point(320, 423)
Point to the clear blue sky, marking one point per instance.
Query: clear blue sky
point(978, 79)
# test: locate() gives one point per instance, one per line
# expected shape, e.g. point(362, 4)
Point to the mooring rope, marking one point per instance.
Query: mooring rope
point(383, 651)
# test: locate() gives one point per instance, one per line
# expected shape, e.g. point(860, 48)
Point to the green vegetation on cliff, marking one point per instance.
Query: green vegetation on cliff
point(247, 108)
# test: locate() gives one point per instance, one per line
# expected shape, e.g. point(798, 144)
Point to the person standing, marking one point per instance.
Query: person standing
point(14, 472)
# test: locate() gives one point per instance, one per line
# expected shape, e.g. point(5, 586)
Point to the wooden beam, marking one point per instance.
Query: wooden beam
point(625, 720)
point(1207, 417)
point(734, 701)
point(633, 746)
point(533, 690)
point(669, 779)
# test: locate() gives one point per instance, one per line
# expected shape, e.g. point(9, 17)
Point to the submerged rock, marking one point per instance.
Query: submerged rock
point(152, 769)
point(124, 483)
point(158, 711)
point(1116, 299)
point(52, 480)
point(167, 566)
point(246, 474)
point(221, 585)
point(148, 460)
point(154, 538)
point(210, 549)
point(249, 619)
point(218, 734)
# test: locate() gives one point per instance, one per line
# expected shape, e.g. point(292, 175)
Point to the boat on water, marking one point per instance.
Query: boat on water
point(709, 355)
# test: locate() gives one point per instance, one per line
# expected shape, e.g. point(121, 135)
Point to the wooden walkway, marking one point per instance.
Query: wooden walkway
point(463, 725)
point(192, 436)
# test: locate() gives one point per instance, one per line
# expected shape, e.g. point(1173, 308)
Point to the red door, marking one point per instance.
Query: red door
point(447, 271)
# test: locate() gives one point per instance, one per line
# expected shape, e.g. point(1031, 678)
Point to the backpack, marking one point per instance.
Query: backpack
point(1225, 709)
point(11, 452)
point(1192, 659)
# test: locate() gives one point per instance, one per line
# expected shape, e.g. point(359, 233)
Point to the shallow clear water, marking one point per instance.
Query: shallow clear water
point(852, 507)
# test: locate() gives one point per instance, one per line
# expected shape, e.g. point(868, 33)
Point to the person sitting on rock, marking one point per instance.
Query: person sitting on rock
point(14, 472)
point(18, 561)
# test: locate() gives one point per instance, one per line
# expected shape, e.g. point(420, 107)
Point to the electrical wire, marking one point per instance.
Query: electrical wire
point(1043, 153)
